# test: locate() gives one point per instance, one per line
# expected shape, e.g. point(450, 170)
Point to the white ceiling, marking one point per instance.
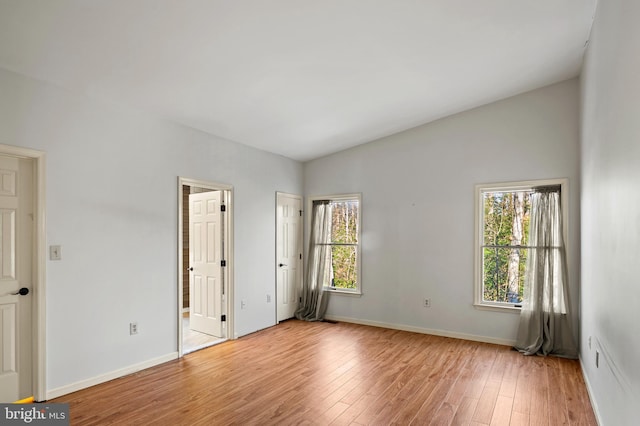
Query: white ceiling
point(298, 78)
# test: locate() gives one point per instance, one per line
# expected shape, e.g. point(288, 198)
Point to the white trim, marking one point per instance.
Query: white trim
point(497, 308)
point(289, 194)
point(414, 329)
point(40, 338)
point(510, 186)
point(83, 384)
point(39, 325)
point(344, 292)
point(229, 270)
point(594, 405)
point(307, 227)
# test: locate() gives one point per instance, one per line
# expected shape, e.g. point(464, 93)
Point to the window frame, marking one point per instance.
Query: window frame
point(480, 189)
point(341, 197)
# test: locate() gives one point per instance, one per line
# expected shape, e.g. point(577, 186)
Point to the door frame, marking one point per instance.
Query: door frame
point(301, 241)
point(229, 274)
point(38, 265)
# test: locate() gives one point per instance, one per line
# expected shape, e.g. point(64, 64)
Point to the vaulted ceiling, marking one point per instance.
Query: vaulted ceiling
point(295, 77)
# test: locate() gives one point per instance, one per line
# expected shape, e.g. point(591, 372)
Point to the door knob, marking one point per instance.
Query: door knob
point(22, 292)
point(191, 269)
point(281, 265)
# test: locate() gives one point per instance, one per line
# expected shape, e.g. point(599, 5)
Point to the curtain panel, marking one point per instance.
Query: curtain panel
point(314, 297)
point(545, 326)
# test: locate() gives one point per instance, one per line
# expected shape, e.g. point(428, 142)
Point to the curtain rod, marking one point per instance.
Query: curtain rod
point(548, 188)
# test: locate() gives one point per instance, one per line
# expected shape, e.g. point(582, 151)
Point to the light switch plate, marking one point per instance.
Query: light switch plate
point(55, 252)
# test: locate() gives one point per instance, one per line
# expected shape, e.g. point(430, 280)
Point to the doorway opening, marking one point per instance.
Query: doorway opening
point(205, 264)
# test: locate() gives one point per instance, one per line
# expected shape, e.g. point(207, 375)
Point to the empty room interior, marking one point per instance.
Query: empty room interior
point(370, 182)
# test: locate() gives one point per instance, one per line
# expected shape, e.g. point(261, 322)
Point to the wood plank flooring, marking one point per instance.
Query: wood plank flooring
point(343, 374)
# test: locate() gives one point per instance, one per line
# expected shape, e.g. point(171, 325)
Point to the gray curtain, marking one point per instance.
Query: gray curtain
point(314, 297)
point(545, 326)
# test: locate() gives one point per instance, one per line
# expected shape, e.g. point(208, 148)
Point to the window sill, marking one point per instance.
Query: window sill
point(355, 293)
point(498, 308)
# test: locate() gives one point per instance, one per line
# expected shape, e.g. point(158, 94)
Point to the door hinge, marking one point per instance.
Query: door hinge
point(300, 256)
point(223, 208)
point(300, 212)
point(223, 317)
point(223, 263)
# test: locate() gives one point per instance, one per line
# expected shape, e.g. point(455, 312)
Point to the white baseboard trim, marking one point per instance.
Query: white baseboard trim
point(443, 333)
point(590, 392)
point(83, 384)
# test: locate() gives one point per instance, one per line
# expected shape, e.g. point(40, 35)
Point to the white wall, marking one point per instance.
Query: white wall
point(611, 212)
point(418, 206)
point(112, 206)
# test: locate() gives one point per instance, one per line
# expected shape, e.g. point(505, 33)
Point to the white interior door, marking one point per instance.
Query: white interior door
point(288, 254)
point(16, 232)
point(205, 262)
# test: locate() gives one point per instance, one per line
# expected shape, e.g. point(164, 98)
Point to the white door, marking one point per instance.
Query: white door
point(288, 254)
point(205, 262)
point(16, 232)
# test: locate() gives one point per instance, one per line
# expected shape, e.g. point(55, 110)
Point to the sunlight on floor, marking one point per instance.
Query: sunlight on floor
point(193, 341)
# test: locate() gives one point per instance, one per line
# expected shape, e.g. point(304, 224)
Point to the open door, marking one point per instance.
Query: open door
point(16, 289)
point(288, 254)
point(206, 262)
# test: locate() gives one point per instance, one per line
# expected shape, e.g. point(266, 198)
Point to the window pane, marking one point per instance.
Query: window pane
point(344, 227)
point(503, 274)
point(344, 273)
point(506, 218)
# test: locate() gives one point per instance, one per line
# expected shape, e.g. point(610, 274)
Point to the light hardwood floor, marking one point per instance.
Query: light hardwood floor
point(322, 373)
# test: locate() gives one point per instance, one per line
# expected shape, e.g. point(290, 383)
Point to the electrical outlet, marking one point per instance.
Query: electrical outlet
point(589, 342)
point(243, 304)
point(133, 328)
point(268, 298)
point(427, 303)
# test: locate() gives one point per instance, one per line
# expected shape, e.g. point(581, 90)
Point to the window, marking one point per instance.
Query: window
point(502, 241)
point(343, 239)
